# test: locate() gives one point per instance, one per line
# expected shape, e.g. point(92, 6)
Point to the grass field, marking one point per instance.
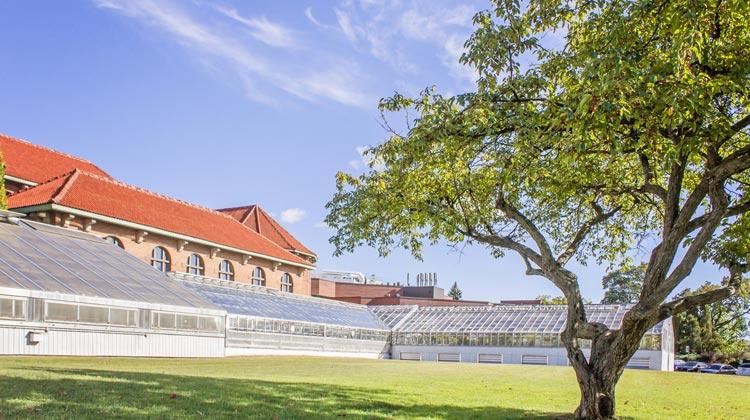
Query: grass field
point(299, 387)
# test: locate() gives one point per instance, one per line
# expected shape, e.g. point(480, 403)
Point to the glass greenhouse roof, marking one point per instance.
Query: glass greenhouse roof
point(36, 256)
point(501, 318)
point(393, 315)
point(240, 299)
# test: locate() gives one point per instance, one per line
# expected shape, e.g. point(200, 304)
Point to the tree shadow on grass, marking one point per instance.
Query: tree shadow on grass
point(89, 393)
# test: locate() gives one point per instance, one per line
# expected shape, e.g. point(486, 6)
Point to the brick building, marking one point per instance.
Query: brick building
point(385, 294)
point(174, 236)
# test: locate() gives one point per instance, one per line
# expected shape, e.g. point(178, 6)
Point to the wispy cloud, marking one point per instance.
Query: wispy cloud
point(310, 78)
point(292, 215)
point(262, 29)
point(381, 28)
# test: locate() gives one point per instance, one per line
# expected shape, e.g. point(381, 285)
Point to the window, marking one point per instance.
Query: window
point(71, 312)
point(160, 259)
point(226, 271)
point(12, 308)
point(114, 240)
point(259, 277)
point(286, 283)
point(195, 265)
point(174, 321)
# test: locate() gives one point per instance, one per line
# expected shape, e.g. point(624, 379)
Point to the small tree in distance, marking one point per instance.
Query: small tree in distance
point(455, 292)
point(628, 130)
point(623, 285)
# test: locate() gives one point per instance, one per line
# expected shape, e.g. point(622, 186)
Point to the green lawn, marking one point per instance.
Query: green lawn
point(304, 387)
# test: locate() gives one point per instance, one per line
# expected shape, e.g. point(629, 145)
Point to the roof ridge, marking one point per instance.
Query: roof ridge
point(65, 187)
point(256, 210)
point(49, 149)
point(55, 178)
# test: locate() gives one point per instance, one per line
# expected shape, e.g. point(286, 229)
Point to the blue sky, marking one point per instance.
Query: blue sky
point(227, 103)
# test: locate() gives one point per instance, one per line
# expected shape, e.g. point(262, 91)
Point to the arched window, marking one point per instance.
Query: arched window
point(160, 259)
point(286, 283)
point(195, 265)
point(114, 240)
point(259, 277)
point(226, 271)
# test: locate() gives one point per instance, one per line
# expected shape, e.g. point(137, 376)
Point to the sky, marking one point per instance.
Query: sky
point(227, 103)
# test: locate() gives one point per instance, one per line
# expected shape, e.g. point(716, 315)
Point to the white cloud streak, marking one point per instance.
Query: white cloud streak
point(262, 29)
point(259, 73)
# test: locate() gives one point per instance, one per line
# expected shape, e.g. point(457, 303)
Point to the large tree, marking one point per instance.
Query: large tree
point(596, 127)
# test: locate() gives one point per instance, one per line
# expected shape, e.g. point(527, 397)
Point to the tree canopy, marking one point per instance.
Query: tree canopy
point(595, 128)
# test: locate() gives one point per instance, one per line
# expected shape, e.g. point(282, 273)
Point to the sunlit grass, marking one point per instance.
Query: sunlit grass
point(299, 387)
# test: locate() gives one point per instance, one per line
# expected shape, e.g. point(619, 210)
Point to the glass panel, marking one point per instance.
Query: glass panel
point(209, 324)
point(166, 320)
point(118, 316)
point(7, 308)
point(61, 312)
point(93, 314)
point(187, 322)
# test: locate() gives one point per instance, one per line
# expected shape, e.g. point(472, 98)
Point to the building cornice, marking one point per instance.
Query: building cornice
point(150, 229)
point(20, 180)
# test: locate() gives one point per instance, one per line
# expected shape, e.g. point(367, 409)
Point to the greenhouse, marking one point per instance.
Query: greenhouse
point(64, 292)
point(266, 321)
point(525, 334)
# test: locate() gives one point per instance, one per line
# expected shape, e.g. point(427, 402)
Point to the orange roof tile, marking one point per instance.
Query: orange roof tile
point(37, 164)
point(260, 221)
point(107, 197)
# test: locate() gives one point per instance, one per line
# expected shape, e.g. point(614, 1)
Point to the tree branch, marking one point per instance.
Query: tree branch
point(736, 128)
point(737, 210)
point(545, 251)
point(689, 302)
point(531, 271)
point(584, 230)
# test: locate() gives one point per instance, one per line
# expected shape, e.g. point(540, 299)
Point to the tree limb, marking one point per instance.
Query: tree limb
point(584, 230)
point(511, 212)
point(731, 211)
point(686, 303)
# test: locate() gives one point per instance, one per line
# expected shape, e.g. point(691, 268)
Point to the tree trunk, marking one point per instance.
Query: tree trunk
point(597, 394)
point(598, 376)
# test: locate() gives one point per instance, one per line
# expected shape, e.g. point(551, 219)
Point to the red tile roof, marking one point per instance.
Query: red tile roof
point(260, 221)
point(107, 197)
point(37, 164)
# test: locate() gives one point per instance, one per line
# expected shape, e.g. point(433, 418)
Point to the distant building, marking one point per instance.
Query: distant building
point(384, 294)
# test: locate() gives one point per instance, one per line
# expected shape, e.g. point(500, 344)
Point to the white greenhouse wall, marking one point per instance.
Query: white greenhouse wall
point(514, 355)
point(77, 342)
